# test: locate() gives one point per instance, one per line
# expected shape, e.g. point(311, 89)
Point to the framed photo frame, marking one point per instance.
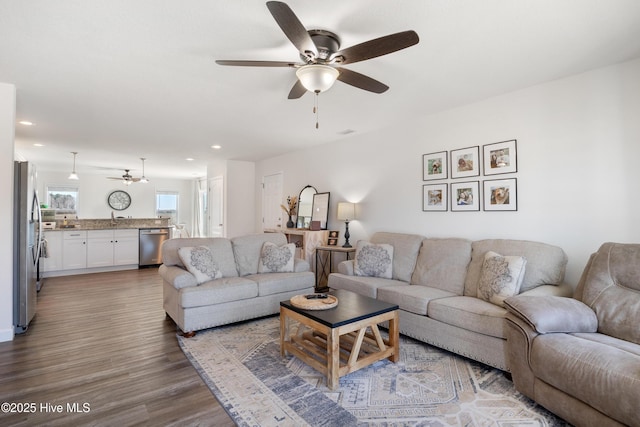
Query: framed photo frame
point(332, 242)
point(434, 166)
point(465, 196)
point(434, 198)
point(500, 195)
point(500, 157)
point(465, 162)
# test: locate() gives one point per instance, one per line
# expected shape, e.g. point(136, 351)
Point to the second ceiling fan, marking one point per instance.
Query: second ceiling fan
point(322, 57)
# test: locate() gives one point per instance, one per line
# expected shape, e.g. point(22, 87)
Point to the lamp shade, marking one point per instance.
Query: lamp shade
point(316, 77)
point(346, 211)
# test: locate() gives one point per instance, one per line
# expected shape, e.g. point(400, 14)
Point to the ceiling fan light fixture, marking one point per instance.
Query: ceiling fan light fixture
point(317, 77)
point(74, 176)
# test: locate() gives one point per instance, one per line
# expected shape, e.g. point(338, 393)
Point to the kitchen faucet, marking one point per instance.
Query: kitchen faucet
point(113, 219)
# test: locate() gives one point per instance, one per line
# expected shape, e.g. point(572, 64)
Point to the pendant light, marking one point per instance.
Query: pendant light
point(144, 179)
point(74, 175)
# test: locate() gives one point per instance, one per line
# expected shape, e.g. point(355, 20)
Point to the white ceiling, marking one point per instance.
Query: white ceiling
point(122, 79)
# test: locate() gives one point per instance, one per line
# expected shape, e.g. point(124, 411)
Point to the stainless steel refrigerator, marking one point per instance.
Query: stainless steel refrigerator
point(27, 239)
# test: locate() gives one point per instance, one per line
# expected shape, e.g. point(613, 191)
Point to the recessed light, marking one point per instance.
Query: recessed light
point(216, 147)
point(189, 159)
point(38, 145)
point(26, 123)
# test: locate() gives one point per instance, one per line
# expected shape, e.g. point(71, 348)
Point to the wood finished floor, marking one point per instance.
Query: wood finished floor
point(103, 339)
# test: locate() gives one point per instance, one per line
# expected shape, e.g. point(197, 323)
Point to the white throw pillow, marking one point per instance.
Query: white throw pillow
point(373, 260)
point(199, 261)
point(501, 277)
point(277, 259)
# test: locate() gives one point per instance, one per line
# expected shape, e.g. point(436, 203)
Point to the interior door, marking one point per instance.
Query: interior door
point(216, 207)
point(271, 201)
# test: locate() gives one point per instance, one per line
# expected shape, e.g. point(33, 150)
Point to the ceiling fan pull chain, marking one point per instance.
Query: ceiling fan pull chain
point(315, 109)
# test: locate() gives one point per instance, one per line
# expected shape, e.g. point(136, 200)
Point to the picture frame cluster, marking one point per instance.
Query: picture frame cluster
point(464, 196)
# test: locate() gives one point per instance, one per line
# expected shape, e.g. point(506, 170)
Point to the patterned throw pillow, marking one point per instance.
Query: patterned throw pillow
point(199, 261)
point(277, 259)
point(501, 277)
point(373, 260)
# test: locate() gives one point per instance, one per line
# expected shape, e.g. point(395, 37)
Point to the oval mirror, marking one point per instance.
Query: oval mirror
point(305, 205)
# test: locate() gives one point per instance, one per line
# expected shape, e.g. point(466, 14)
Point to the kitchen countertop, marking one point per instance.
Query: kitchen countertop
point(106, 224)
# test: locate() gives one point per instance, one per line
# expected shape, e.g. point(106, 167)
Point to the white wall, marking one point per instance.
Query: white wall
point(578, 148)
point(94, 190)
point(7, 125)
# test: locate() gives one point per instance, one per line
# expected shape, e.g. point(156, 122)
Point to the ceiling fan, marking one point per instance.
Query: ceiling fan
point(128, 179)
point(321, 55)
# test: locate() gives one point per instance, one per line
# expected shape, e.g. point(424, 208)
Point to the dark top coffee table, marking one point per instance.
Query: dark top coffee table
point(342, 339)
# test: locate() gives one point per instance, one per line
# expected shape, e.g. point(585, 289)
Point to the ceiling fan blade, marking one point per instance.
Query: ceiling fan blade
point(243, 63)
point(361, 81)
point(377, 47)
point(297, 91)
point(293, 28)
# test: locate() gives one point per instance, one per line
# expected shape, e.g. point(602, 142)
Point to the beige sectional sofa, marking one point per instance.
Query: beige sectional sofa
point(580, 357)
point(435, 284)
point(239, 292)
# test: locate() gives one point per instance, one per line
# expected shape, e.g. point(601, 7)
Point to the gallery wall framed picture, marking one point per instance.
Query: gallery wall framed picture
point(500, 195)
point(434, 166)
point(465, 162)
point(465, 196)
point(434, 198)
point(500, 157)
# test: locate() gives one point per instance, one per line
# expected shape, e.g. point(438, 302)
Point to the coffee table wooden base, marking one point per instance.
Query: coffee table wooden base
point(335, 352)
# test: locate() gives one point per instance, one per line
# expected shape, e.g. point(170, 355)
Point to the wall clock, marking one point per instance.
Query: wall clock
point(119, 200)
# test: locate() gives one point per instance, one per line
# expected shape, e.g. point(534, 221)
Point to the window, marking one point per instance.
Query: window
point(63, 198)
point(167, 205)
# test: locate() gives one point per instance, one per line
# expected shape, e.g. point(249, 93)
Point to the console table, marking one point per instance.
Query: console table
point(324, 264)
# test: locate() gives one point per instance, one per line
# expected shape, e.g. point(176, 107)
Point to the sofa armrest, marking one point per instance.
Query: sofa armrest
point(561, 290)
point(346, 267)
point(301, 265)
point(177, 277)
point(548, 314)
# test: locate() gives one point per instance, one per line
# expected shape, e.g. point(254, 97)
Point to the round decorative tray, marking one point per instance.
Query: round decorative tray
point(301, 301)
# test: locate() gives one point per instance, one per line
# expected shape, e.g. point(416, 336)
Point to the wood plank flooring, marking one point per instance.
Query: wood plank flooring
point(103, 339)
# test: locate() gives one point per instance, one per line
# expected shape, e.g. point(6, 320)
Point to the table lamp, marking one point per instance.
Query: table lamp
point(346, 212)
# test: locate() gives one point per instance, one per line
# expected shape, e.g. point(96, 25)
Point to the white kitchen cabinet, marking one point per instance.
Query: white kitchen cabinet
point(53, 261)
point(74, 250)
point(107, 248)
point(125, 250)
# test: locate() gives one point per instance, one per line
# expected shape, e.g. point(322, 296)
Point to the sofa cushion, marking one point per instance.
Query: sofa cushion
point(276, 259)
point(545, 263)
point(275, 283)
point(501, 277)
point(373, 260)
point(605, 377)
point(470, 313)
point(405, 252)
point(367, 286)
point(442, 264)
point(611, 287)
point(220, 250)
point(414, 299)
point(247, 250)
point(199, 261)
point(218, 291)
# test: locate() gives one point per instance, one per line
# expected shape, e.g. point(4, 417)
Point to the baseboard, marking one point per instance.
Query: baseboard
point(6, 335)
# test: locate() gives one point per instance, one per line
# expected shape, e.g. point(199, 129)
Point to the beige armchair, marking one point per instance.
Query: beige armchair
point(580, 357)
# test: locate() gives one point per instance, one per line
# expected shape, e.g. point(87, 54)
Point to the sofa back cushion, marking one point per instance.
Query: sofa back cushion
point(405, 252)
point(610, 285)
point(442, 264)
point(545, 263)
point(248, 249)
point(220, 248)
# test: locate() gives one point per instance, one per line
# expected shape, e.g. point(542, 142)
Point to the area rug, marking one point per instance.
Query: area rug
point(242, 366)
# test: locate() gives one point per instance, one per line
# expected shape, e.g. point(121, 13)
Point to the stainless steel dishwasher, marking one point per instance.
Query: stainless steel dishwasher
point(150, 245)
